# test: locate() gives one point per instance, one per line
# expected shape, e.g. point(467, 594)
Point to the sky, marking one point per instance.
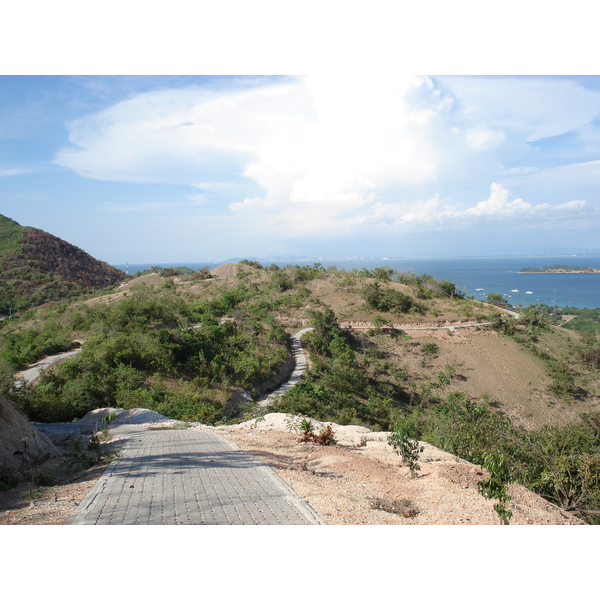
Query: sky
point(150, 169)
point(322, 129)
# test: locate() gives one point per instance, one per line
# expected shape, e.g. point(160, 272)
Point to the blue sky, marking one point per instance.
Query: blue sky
point(192, 168)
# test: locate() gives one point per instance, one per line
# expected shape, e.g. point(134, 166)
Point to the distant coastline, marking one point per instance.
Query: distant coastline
point(559, 269)
point(498, 275)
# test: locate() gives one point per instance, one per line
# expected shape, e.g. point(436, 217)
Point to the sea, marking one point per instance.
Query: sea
point(474, 276)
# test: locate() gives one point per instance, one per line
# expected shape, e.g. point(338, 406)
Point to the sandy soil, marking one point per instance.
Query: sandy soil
point(361, 481)
point(48, 505)
point(489, 367)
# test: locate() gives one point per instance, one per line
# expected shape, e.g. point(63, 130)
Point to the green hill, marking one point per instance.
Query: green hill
point(388, 350)
point(37, 267)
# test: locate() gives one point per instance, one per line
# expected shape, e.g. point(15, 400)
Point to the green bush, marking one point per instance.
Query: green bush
point(403, 442)
point(389, 300)
point(430, 348)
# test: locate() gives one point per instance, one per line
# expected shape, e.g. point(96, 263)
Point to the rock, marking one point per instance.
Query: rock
point(20, 442)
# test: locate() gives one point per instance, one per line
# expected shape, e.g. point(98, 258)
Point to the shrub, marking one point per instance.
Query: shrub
point(429, 348)
point(494, 486)
point(403, 444)
point(324, 438)
point(388, 299)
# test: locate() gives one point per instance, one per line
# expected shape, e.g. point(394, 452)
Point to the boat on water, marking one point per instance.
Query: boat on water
point(529, 292)
point(479, 289)
point(514, 291)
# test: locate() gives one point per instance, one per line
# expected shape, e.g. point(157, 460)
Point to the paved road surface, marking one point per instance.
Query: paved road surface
point(189, 477)
point(34, 371)
point(297, 374)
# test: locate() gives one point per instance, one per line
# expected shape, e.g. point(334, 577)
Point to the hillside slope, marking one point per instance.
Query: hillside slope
point(37, 267)
point(387, 351)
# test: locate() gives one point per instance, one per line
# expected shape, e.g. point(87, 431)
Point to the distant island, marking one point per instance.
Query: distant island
point(559, 269)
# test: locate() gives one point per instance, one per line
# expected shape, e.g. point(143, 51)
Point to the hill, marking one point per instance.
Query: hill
point(559, 269)
point(388, 351)
point(37, 267)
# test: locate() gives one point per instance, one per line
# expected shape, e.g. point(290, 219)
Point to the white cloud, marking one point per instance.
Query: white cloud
point(564, 177)
point(500, 206)
point(499, 203)
point(335, 155)
point(182, 136)
point(13, 171)
point(532, 108)
point(484, 139)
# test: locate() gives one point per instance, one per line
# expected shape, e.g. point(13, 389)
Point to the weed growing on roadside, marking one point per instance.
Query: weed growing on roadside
point(398, 507)
point(104, 435)
point(108, 418)
point(87, 454)
point(292, 422)
point(31, 494)
point(325, 437)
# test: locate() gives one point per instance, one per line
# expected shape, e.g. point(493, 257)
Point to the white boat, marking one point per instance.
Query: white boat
point(479, 289)
point(514, 291)
point(529, 292)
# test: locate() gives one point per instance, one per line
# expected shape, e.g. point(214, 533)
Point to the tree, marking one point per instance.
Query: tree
point(384, 273)
point(401, 440)
point(497, 300)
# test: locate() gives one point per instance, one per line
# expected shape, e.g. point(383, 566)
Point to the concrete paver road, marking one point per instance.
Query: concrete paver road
point(297, 374)
point(190, 476)
point(34, 371)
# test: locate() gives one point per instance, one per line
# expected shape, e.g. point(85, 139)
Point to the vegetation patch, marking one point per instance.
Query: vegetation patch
point(183, 351)
point(402, 507)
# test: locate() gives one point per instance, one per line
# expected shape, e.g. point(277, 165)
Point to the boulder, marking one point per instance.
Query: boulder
point(21, 444)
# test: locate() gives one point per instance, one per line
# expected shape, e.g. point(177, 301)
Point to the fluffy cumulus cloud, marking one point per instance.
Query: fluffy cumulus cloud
point(500, 205)
point(436, 214)
point(180, 136)
point(337, 155)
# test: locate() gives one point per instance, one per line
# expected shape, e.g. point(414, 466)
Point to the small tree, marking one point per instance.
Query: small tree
point(495, 485)
point(384, 273)
point(497, 300)
point(403, 444)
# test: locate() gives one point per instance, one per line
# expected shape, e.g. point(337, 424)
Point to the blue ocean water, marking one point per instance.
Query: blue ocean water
point(479, 277)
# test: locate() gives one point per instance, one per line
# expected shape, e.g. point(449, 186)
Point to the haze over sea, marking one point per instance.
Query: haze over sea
point(475, 276)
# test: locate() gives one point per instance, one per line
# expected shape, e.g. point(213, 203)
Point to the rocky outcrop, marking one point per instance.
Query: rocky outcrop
point(21, 445)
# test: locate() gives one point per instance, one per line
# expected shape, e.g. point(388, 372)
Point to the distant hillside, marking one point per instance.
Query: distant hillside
point(559, 269)
point(37, 267)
